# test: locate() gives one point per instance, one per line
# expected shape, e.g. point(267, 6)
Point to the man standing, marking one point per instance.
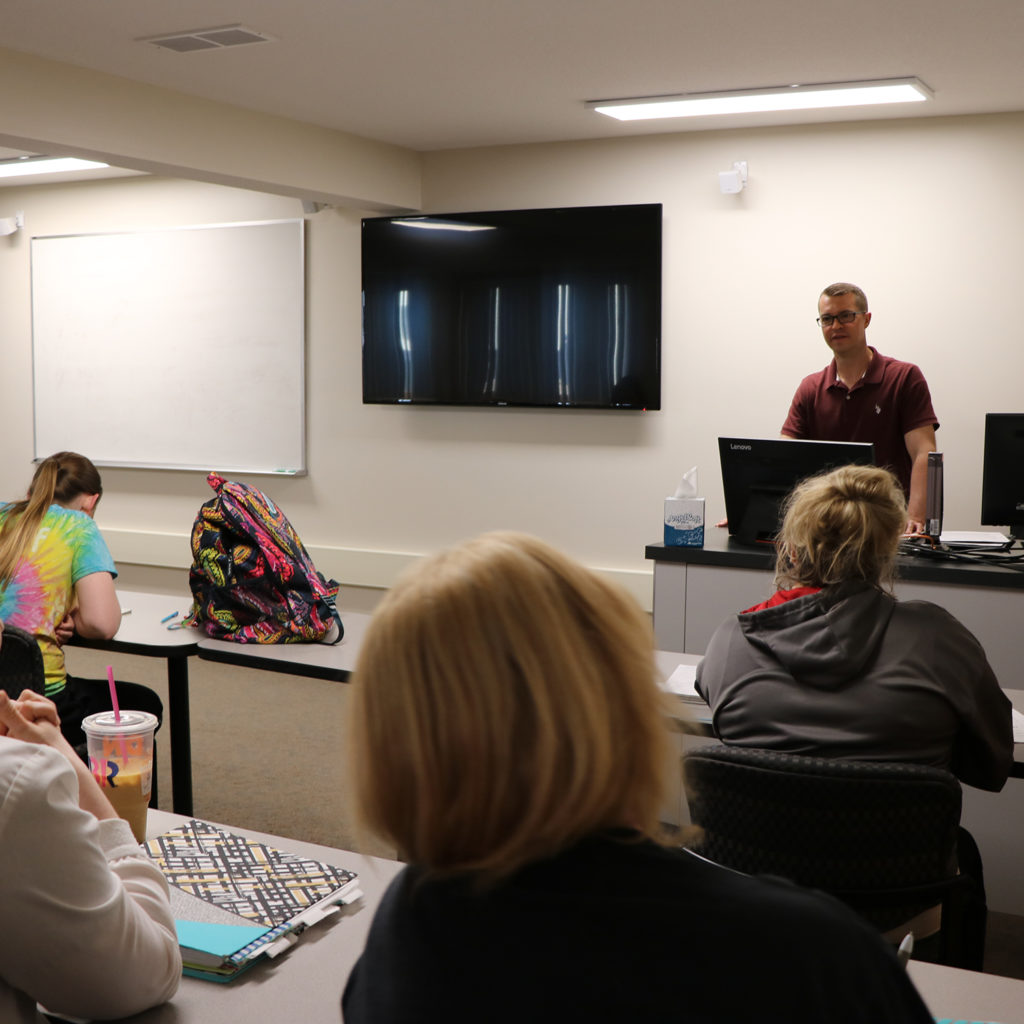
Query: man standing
point(864, 396)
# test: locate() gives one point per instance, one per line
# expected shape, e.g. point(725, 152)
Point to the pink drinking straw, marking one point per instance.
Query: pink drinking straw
point(113, 693)
point(117, 711)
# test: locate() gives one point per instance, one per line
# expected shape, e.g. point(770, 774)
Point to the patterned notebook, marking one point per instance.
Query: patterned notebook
point(246, 877)
point(236, 900)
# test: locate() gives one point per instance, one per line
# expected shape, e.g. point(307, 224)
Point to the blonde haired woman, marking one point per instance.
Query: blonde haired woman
point(57, 578)
point(833, 665)
point(507, 735)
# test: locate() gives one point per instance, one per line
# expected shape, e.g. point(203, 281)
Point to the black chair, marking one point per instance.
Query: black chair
point(21, 662)
point(881, 837)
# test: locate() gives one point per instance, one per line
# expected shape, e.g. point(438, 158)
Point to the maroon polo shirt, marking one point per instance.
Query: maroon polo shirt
point(890, 400)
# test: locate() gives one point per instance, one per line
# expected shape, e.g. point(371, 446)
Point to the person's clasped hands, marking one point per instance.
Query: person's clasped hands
point(32, 718)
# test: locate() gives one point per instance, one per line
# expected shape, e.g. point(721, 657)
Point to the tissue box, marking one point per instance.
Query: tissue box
point(684, 522)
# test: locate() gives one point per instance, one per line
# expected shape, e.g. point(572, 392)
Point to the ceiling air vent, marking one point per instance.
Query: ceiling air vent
point(208, 39)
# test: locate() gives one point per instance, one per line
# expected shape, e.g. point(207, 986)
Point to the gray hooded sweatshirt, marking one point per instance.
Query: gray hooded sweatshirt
point(852, 673)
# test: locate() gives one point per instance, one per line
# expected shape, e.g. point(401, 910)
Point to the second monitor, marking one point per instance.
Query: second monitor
point(1002, 484)
point(758, 473)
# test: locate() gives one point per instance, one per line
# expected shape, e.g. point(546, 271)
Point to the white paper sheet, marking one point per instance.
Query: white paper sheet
point(973, 538)
point(681, 683)
point(1018, 726)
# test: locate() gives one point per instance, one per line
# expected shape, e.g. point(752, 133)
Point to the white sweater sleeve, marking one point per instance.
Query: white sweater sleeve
point(86, 926)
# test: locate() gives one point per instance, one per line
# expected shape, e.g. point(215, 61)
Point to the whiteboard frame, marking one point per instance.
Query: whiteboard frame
point(289, 343)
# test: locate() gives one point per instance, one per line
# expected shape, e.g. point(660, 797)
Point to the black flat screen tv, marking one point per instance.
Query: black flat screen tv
point(551, 307)
point(758, 473)
point(1002, 480)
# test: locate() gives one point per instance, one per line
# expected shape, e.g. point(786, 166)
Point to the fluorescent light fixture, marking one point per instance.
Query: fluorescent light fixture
point(747, 101)
point(433, 224)
point(24, 167)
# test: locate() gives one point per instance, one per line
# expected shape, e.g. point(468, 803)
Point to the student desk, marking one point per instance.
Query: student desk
point(142, 632)
point(306, 982)
point(968, 996)
point(334, 662)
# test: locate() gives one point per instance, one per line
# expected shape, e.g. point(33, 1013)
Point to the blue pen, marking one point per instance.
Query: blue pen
point(167, 618)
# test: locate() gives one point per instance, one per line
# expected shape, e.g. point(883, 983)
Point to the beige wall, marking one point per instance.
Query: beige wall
point(921, 213)
point(56, 108)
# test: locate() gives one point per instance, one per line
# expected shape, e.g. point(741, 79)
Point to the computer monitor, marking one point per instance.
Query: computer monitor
point(1002, 481)
point(758, 473)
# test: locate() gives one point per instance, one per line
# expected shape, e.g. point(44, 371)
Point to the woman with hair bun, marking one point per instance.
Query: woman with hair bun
point(832, 665)
point(57, 579)
point(506, 732)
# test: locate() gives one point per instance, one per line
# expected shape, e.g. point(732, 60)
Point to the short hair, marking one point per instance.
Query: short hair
point(845, 288)
point(841, 526)
point(505, 705)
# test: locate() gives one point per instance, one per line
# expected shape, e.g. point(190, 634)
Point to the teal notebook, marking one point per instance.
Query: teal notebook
point(207, 945)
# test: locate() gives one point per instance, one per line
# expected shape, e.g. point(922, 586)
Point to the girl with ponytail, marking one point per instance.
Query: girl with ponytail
point(57, 579)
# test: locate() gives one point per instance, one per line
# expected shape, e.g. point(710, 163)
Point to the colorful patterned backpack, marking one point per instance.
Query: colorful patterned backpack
point(251, 578)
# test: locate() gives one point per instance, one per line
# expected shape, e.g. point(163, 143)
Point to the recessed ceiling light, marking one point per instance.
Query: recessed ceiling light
point(745, 101)
point(208, 38)
point(23, 167)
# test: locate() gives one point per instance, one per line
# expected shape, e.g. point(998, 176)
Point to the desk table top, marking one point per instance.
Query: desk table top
point(304, 984)
point(143, 628)
point(956, 995)
point(320, 661)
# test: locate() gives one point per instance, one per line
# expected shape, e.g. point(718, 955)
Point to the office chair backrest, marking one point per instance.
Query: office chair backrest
point(880, 836)
point(21, 662)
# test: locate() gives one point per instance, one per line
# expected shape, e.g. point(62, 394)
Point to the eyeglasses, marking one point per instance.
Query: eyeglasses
point(846, 317)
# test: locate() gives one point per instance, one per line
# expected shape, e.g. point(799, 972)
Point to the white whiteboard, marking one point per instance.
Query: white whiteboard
point(180, 348)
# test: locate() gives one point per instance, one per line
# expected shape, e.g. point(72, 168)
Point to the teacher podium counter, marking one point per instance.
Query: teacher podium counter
point(696, 589)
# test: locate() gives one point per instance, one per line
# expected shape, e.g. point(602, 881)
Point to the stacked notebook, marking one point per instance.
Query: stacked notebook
point(236, 900)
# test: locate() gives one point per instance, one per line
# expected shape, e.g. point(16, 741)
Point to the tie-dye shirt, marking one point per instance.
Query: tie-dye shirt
point(68, 546)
